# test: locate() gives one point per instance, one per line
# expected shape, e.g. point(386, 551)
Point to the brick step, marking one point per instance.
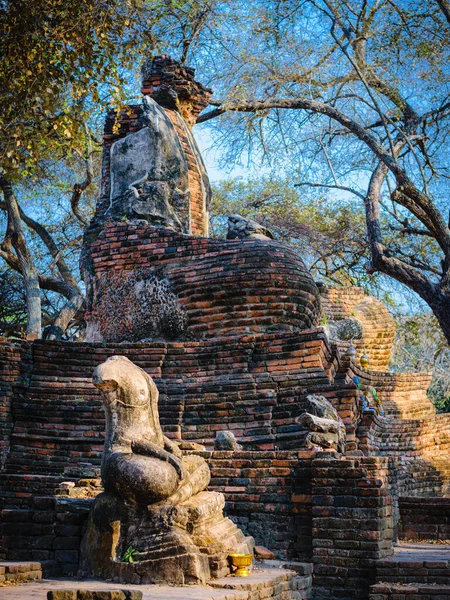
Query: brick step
point(15, 571)
point(64, 433)
point(415, 563)
point(52, 460)
point(63, 403)
point(268, 583)
point(424, 518)
point(414, 591)
point(51, 466)
point(52, 414)
point(14, 486)
point(274, 579)
point(23, 442)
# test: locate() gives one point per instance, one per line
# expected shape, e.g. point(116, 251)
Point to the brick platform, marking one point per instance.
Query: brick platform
point(415, 572)
point(264, 583)
point(384, 591)
point(424, 519)
point(19, 572)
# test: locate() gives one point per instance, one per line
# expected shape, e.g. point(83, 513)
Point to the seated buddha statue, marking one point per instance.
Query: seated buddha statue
point(139, 463)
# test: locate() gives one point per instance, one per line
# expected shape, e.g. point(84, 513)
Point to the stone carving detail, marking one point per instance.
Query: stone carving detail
point(149, 173)
point(241, 227)
point(326, 428)
point(154, 500)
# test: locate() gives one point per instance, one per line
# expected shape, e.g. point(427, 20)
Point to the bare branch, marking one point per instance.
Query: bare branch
point(444, 5)
point(336, 187)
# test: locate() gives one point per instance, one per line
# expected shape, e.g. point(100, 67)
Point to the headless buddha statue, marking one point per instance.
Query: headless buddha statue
point(139, 463)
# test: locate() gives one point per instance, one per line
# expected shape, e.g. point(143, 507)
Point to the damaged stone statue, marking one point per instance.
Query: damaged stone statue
point(153, 501)
point(149, 172)
point(325, 428)
point(139, 463)
point(240, 228)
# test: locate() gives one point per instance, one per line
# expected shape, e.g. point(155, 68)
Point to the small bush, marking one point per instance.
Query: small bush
point(135, 305)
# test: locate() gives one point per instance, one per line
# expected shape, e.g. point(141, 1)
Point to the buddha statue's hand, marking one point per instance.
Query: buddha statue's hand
point(172, 447)
point(178, 465)
point(146, 448)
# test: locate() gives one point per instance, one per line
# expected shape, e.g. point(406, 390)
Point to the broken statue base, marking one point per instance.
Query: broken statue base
point(184, 544)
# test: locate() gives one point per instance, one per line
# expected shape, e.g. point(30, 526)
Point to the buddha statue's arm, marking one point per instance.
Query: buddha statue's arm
point(172, 447)
point(147, 448)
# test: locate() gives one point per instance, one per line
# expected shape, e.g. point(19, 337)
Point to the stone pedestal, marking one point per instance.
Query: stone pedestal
point(184, 544)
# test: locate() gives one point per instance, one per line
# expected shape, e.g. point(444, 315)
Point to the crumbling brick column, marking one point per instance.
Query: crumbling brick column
point(13, 365)
point(352, 524)
point(182, 98)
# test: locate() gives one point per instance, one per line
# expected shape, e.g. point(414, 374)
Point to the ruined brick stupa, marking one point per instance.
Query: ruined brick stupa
point(148, 272)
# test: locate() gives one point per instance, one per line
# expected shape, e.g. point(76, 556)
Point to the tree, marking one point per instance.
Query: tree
point(354, 94)
point(421, 346)
point(51, 240)
point(330, 236)
point(61, 64)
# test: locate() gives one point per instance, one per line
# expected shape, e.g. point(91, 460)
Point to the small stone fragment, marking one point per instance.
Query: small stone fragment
point(191, 446)
point(62, 595)
point(66, 485)
point(225, 440)
point(263, 553)
point(242, 227)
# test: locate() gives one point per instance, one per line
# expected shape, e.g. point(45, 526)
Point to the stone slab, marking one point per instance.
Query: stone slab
point(38, 590)
point(415, 552)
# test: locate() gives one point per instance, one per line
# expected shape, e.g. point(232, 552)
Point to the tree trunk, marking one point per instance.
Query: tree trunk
point(441, 310)
point(28, 270)
point(67, 313)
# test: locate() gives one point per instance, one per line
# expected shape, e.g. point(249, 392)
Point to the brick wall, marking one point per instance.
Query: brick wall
point(352, 524)
point(255, 386)
point(411, 591)
point(268, 494)
point(403, 395)
point(227, 287)
point(379, 325)
point(424, 518)
point(13, 366)
point(48, 530)
point(199, 187)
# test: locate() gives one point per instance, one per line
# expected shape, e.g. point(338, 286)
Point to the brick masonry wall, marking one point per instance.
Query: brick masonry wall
point(386, 591)
point(379, 325)
point(226, 287)
point(416, 570)
point(199, 187)
point(420, 448)
point(424, 518)
point(255, 386)
point(352, 524)
point(268, 494)
point(13, 363)
point(403, 395)
point(48, 530)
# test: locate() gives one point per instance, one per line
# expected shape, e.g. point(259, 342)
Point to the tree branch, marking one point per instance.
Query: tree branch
point(336, 187)
point(444, 5)
point(420, 203)
point(25, 260)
